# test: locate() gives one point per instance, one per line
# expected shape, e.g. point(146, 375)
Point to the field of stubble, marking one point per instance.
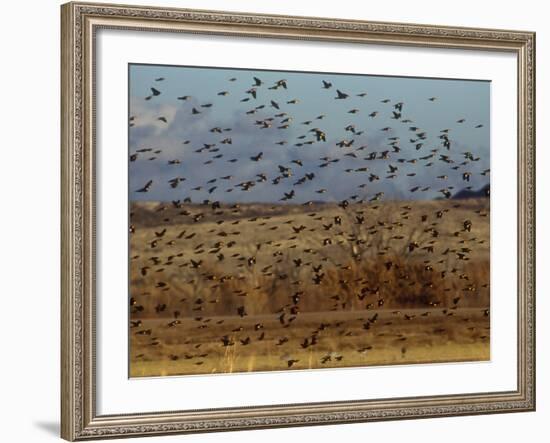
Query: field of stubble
point(263, 287)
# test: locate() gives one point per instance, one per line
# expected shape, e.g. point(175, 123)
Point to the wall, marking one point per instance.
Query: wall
point(29, 179)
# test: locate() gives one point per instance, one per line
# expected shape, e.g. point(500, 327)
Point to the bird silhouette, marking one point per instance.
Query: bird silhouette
point(341, 95)
point(146, 187)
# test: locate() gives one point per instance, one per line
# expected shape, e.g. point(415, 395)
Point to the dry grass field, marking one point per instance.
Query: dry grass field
point(260, 287)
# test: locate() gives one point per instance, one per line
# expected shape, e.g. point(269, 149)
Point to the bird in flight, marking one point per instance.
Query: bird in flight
point(146, 187)
point(341, 95)
point(154, 93)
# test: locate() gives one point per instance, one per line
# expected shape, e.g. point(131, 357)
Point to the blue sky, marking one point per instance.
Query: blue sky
point(184, 133)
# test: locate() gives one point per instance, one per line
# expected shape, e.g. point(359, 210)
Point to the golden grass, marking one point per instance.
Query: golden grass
point(366, 268)
point(462, 336)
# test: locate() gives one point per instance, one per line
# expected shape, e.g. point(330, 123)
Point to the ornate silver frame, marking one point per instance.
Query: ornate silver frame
point(80, 21)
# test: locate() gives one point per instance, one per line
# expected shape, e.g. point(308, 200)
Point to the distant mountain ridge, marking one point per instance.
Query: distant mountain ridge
point(467, 193)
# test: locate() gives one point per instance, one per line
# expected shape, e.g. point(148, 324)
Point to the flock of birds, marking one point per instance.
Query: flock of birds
point(392, 159)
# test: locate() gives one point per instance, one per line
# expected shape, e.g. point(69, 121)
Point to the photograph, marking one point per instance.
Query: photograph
point(289, 220)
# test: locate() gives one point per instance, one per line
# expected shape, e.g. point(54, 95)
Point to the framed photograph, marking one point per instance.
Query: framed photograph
point(281, 221)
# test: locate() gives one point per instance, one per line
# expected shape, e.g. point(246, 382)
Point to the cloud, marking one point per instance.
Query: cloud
point(147, 117)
